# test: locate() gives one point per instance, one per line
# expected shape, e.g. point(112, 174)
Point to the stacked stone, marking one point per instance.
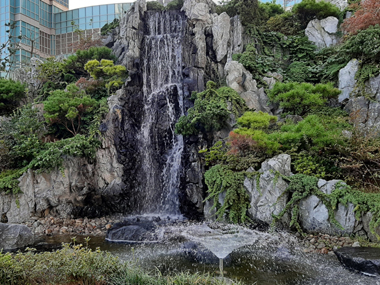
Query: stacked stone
point(81, 226)
point(326, 244)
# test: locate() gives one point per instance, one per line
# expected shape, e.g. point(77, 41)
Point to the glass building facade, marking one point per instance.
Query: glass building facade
point(45, 28)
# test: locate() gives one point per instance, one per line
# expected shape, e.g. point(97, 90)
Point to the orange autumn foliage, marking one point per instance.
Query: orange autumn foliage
point(240, 145)
point(367, 15)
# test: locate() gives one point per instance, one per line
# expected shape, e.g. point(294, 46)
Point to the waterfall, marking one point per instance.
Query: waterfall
point(160, 148)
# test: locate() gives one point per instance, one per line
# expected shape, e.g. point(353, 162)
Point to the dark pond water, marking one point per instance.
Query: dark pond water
point(249, 264)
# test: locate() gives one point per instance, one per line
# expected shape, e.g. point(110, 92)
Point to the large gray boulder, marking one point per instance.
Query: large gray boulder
point(240, 79)
point(198, 10)
point(314, 217)
point(221, 32)
point(347, 81)
point(266, 191)
point(323, 32)
point(15, 236)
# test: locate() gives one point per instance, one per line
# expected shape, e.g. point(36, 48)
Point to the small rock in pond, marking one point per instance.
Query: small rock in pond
point(362, 259)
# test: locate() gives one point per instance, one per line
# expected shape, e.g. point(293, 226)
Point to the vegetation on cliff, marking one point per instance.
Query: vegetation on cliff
point(60, 118)
point(325, 142)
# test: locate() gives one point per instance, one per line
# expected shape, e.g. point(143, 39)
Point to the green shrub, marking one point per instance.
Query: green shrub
point(365, 45)
point(155, 6)
point(256, 120)
point(11, 92)
point(114, 76)
point(110, 26)
point(261, 138)
point(308, 163)
point(255, 125)
point(9, 181)
point(67, 108)
point(175, 5)
point(312, 133)
point(286, 23)
point(22, 135)
point(75, 63)
point(298, 71)
point(301, 98)
point(53, 154)
point(308, 10)
point(210, 111)
point(268, 10)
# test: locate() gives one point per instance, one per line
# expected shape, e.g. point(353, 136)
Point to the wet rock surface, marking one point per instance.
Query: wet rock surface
point(364, 259)
point(15, 236)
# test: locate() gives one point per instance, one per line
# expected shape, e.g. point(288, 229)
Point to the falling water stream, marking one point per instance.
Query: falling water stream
point(162, 78)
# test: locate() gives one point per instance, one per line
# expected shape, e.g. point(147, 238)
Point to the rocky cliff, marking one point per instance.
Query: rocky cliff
point(143, 166)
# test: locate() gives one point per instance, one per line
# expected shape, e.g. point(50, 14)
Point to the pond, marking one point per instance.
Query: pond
point(264, 263)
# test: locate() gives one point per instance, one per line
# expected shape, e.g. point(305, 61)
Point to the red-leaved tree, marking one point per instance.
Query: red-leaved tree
point(367, 15)
point(240, 145)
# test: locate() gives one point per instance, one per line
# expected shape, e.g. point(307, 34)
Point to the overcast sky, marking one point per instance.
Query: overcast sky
point(84, 3)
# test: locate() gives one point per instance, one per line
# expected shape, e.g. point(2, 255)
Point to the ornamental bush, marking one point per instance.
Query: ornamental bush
point(286, 23)
point(11, 92)
point(67, 108)
point(301, 98)
point(367, 15)
point(210, 112)
point(308, 10)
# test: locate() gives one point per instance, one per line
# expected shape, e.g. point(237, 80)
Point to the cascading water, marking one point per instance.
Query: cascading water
point(160, 148)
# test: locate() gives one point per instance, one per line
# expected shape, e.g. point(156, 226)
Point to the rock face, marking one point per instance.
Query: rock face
point(314, 215)
point(367, 111)
point(81, 189)
point(367, 115)
point(361, 259)
point(239, 79)
point(15, 236)
point(265, 192)
point(323, 32)
point(373, 87)
point(347, 79)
